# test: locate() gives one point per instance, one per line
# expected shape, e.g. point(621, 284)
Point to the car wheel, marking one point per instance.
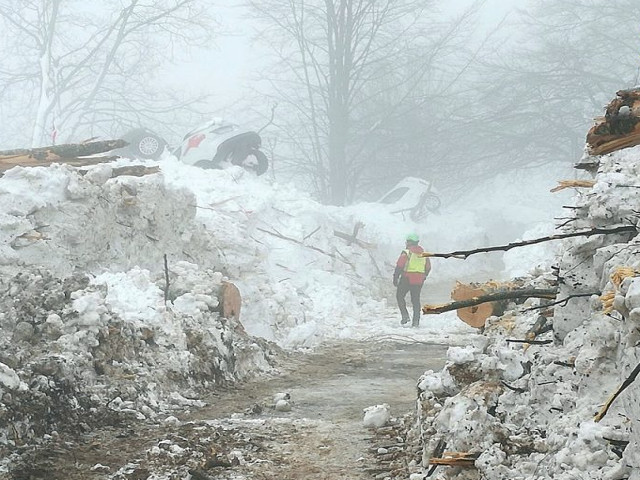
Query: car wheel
point(429, 202)
point(256, 161)
point(144, 144)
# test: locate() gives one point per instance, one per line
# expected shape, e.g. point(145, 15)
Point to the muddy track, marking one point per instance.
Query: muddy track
point(239, 434)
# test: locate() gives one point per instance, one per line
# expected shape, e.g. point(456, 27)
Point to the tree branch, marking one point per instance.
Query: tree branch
point(463, 254)
point(630, 379)
point(491, 297)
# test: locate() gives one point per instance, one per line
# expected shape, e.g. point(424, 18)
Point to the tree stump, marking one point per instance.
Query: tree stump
point(231, 301)
point(476, 315)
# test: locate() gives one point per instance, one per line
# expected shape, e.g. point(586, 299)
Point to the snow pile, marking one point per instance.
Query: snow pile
point(112, 284)
point(529, 411)
point(90, 331)
point(376, 416)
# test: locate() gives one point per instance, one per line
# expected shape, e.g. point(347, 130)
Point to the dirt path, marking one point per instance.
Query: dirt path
point(240, 435)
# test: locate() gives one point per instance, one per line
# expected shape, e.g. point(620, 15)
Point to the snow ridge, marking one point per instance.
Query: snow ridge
point(528, 411)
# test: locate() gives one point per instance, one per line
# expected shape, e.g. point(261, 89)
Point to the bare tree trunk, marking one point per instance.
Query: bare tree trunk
point(47, 98)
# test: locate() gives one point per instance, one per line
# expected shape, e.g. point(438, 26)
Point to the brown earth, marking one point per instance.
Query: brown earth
point(240, 435)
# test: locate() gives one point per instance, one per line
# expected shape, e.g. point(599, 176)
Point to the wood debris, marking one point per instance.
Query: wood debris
point(476, 315)
point(630, 379)
point(71, 154)
point(562, 184)
point(455, 459)
point(620, 126)
point(620, 273)
point(548, 293)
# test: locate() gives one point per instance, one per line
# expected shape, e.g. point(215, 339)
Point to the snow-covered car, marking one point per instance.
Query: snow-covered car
point(218, 143)
point(215, 144)
point(413, 197)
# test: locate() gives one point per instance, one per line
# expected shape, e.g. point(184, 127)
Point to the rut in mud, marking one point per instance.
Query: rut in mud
point(240, 435)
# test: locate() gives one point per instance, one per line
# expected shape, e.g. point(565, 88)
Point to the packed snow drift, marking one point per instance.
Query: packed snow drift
point(547, 410)
point(112, 285)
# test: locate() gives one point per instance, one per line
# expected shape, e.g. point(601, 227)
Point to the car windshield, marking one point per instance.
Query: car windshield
point(395, 195)
point(223, 129)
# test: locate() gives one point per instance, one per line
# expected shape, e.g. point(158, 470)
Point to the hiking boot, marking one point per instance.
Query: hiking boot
point(404, 320)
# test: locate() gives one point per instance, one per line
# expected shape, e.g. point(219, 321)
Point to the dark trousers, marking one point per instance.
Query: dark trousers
point(405, 287)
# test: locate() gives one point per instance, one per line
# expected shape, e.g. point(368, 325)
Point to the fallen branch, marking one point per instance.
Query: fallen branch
point(72, 154)
point(437, 452)
point(530, 342)
point(539, 327)
point(353, 237)
point(284, 237)
point(67, 150)
point(514, 389)
point(563, 301)
point(166, 279)
point(310, 234)
point(463, 254)
point(630, 379)
point(490, 297)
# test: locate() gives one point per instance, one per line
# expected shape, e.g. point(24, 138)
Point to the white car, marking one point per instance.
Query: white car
point(411, 197)
point(215, 144)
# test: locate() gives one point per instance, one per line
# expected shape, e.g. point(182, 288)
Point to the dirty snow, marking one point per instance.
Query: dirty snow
point(530, 411)
point(88, 319)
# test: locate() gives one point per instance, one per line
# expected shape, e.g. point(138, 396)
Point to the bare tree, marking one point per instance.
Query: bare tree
point(524, 103)
point(338, 59)
point(72, 64)
point(538, 97)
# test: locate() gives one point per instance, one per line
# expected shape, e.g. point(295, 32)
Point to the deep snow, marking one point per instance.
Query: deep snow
point(530, 413)
point(87, 318)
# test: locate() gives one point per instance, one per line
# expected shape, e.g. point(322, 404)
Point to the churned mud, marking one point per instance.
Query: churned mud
point(239, 433)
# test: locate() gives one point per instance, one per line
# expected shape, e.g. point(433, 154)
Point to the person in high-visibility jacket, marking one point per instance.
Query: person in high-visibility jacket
point(409, 275)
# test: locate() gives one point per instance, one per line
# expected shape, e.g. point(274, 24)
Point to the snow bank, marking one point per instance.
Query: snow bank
point(92, 321)
point(529, 411)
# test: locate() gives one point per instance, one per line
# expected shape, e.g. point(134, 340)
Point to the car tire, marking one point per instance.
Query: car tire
point(262, 162)
point(429, 202)
point(144, 144)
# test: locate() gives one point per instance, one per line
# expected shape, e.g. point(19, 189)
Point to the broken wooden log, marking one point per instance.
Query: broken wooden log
point(530, 342)
point(476, 315)
point(620, 126)
point(491, 297)
point(562, 184)
point(630, 379)
point(455, 459)
point(437, 453)
point(72, 154)
point(131, 170)
point(352, 238)
point(463, 254)
point(541, 326)
point(67, 150)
